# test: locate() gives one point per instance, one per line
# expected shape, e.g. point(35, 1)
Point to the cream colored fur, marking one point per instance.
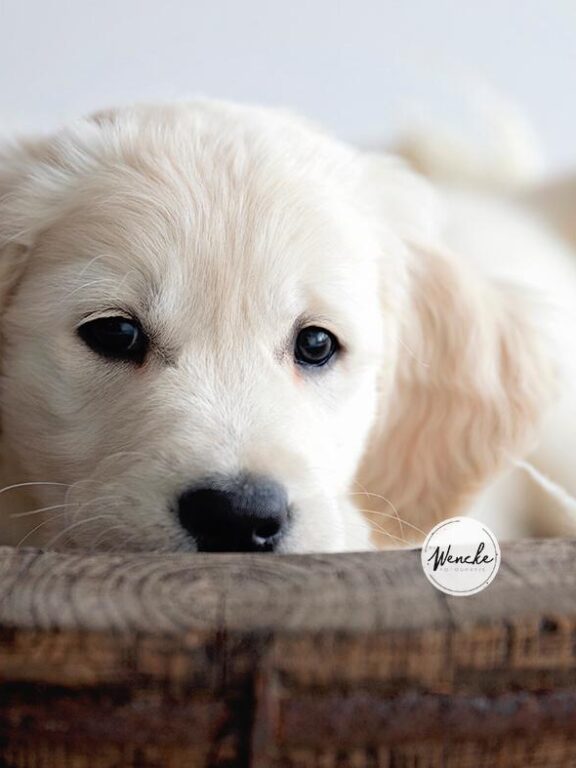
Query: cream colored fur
point(219, 226)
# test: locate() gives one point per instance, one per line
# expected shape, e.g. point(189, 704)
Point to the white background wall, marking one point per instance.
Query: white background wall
point(363, 67)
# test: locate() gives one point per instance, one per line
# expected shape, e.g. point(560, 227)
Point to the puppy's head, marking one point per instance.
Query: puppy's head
point(193, 342)
point(204, 311)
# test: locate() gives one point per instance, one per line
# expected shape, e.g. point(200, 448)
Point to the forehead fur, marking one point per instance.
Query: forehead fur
point(247, 154)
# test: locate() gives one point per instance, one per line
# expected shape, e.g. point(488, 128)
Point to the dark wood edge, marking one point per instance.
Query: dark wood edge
point(251, 658)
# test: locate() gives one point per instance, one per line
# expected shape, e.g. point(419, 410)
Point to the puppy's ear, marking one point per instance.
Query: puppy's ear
point(36, 175)
point(33, 173)
point(472, 382)
point(17, 163)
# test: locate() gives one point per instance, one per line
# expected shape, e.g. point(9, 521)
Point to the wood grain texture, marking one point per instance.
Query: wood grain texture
point(285, 662)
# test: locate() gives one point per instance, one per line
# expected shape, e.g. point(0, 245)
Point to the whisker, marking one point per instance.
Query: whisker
point(38, 511)
point(373, 527)
point(66, 505)
point(69, 528)
point(24, 485)
point(120, 527)
point(94, 546)
point(378, 529)
point(79, 483)
point(387, 501)
point(391, 517)
point(400, 520)
point(44, 522)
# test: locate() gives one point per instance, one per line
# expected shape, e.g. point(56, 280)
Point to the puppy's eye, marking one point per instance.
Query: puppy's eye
point(117, 338)
point(315, 346)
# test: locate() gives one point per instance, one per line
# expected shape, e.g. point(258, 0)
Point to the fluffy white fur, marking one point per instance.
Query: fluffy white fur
point(219, 226)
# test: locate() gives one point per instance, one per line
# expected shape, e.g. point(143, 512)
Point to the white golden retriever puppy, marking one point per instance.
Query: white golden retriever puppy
point(223, 330)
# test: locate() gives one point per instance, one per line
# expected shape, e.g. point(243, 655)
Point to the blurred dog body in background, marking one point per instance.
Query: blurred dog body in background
point(510, 221)
point(224, 330)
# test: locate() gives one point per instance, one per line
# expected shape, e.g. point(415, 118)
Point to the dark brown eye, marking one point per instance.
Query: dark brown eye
point(117, 338)
point(315, 346)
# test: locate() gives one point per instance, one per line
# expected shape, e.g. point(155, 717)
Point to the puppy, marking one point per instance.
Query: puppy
point(223, 330)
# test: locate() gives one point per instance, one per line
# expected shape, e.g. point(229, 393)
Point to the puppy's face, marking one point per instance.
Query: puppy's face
point(194, 347)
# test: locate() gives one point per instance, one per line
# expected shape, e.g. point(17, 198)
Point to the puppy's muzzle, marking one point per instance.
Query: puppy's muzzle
point(245, 514)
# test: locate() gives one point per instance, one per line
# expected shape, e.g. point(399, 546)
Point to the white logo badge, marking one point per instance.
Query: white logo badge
point(460, 556)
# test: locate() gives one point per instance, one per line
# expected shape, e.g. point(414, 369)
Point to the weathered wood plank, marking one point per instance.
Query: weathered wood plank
point(320, 661)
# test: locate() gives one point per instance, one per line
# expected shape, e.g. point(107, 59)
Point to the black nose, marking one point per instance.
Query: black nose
point(247, 514)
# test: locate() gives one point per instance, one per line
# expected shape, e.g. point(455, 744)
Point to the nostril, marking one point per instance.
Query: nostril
point(266, 531)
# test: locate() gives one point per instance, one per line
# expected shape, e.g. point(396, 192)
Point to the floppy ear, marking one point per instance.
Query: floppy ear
point(15, 162)
point(471, 383)
point(35, 174)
